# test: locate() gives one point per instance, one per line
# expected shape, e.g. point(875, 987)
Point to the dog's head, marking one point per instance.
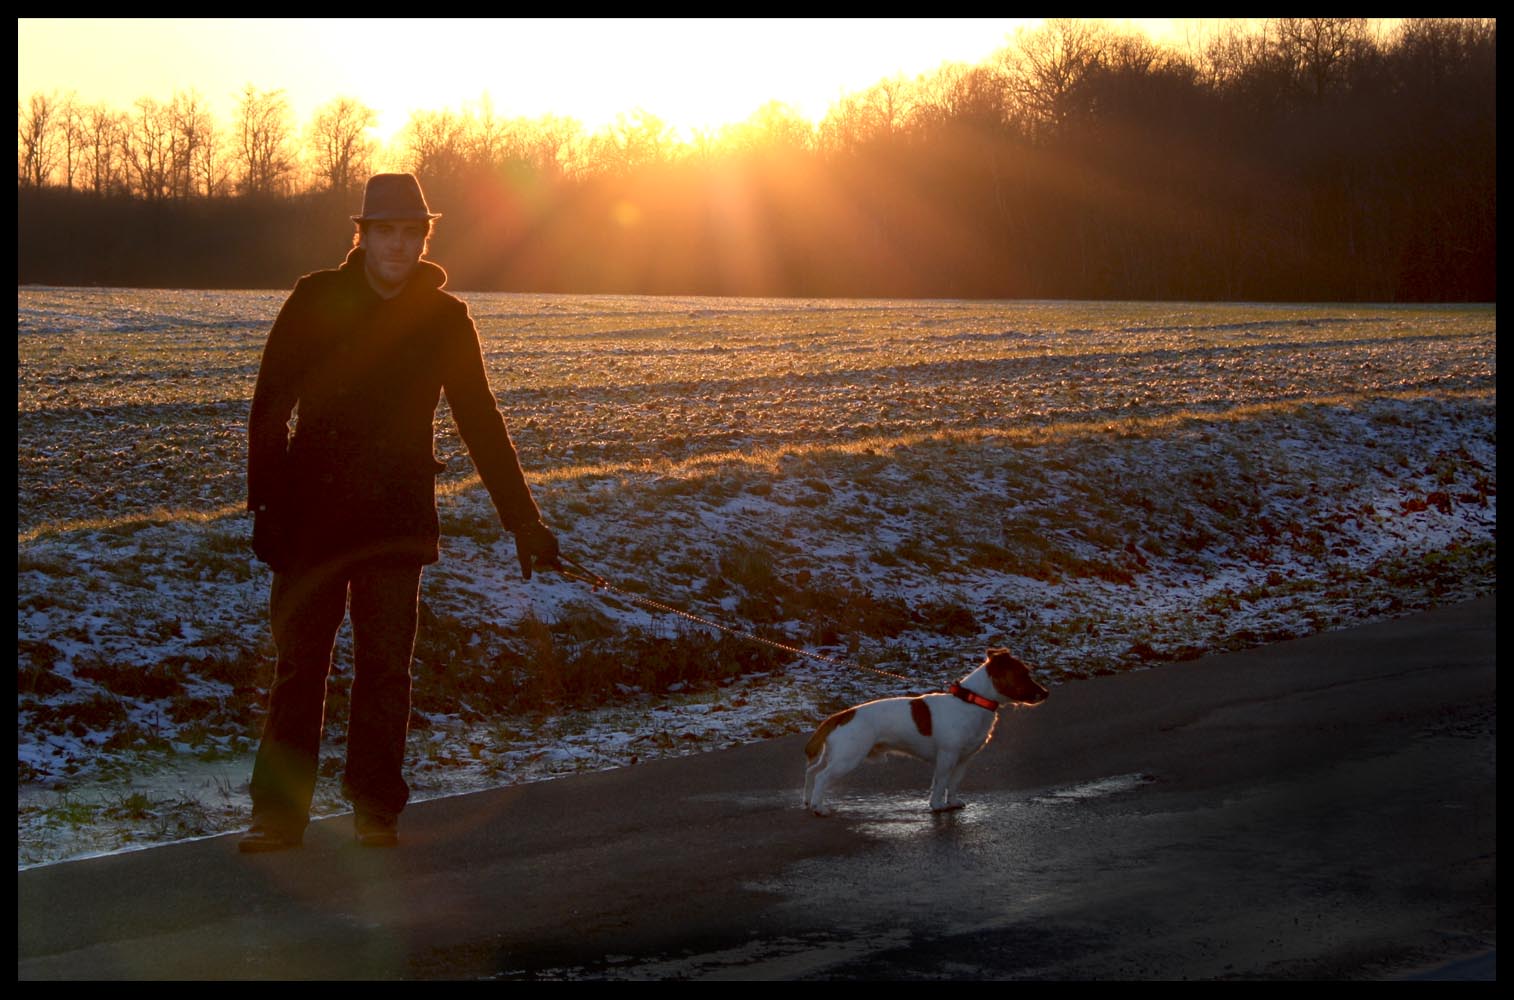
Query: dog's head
point(1010, 676)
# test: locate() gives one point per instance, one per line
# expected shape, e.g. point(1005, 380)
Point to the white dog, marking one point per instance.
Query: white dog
point(946, 728)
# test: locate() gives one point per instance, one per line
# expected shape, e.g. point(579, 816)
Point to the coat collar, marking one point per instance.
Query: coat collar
point(427, 275)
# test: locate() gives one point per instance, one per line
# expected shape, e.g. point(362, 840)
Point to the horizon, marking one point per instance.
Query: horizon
point(607, 69)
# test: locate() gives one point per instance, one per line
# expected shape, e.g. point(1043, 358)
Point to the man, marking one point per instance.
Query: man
point(346, 505)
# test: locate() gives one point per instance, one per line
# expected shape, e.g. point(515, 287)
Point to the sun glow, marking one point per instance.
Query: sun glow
point(692, 74)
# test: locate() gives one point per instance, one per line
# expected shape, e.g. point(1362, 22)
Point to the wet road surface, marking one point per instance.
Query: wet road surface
point(1315, 809)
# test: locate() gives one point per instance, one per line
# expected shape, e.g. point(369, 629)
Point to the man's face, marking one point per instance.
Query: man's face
point(394, 251)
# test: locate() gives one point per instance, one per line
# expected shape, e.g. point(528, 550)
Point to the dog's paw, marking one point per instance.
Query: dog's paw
point(822, 810)
point(951, 806)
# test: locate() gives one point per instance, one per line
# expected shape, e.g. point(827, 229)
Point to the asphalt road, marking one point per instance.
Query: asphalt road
point(1323, 808)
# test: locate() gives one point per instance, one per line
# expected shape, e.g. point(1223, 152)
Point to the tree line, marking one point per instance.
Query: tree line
point(1301, 158)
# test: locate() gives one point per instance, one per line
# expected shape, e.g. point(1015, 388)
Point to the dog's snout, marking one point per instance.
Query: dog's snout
point(1035, 695)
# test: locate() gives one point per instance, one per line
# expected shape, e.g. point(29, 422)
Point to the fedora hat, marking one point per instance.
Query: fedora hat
point(394, 197)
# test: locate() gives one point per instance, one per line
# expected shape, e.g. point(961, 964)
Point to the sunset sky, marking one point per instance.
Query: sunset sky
point(691, 73)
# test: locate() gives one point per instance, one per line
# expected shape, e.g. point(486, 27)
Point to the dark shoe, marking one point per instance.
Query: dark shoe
point(262, 838)
point(375, 831)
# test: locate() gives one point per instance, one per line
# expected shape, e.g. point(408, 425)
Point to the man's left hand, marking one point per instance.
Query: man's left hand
point(535, 544)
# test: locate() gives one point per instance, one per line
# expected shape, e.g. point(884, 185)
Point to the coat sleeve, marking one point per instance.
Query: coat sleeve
point(483, 427)
point(273, 401)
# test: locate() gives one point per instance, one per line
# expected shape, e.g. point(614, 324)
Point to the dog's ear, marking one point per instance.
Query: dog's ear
point(994, 651)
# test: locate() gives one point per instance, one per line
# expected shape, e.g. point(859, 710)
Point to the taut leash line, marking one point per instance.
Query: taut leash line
point(575, 571)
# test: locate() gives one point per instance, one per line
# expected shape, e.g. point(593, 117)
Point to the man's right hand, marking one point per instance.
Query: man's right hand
point(535, 544)
point(271, 542)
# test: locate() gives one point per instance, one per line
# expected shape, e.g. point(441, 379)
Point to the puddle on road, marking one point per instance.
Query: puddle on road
point(991, 858)
point(1095, 789)
point(903, 815)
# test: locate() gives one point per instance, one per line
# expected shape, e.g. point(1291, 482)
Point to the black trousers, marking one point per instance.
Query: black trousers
point(307, 606)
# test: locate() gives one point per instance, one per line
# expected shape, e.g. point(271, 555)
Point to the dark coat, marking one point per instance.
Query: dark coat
point(357, 476)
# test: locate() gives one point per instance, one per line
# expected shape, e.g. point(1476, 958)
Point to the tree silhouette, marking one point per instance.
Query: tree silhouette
point(148, 149)
point(339, 143)
point(36, 132)
point(104, 135)
point(436, 144)
point(264, 141)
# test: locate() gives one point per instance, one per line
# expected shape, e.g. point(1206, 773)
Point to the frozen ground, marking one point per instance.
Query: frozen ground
point(1100, 486)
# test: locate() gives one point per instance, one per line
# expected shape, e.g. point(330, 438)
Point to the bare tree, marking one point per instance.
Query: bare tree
point(881, 112)
point(210, 165)
point(263, 142)
point(73, 134)
point(105, 130)
point(1045, 66)
point(148, 150)
point(195, 146)
point(36, 139)
point(489, 140)
point(775, 127)
point(555, 145)
point(435, 143)
point(634, 141)
point(960, 93)
point(887, 107)
point(339, 142)
point(1229, 54)
point(1320, 50)
point(841, 130)
point(1433, 51)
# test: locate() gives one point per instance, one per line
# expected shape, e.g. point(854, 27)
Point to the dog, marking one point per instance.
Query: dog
point(948, 729)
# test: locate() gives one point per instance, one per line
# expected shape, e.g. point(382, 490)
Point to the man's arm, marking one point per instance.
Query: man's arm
point(483, 430)
point(273, 400)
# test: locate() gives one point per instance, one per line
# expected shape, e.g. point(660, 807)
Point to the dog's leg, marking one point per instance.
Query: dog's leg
point(814, 768)
point(838, 762)
point(815, 799)
point(946, 767)
point(954, 784)
point(815, 782)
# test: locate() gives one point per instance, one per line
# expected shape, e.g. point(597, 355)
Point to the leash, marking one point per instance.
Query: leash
point(582, 574)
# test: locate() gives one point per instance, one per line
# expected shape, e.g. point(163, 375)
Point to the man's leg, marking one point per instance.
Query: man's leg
point(306, 608)
point(385, 605)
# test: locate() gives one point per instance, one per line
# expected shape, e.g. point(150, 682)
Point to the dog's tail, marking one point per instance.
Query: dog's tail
point(816, 745)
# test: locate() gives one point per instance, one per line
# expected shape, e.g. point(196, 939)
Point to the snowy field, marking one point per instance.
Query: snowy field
point(899, 484)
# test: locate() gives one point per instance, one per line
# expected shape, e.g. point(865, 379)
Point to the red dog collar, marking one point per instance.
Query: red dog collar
point(973, 699)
